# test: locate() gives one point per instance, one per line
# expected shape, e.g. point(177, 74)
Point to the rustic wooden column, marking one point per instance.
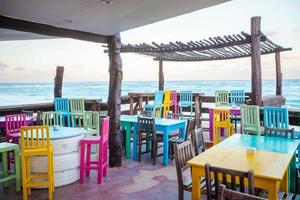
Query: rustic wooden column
point(161, 76)
point(255, 61)
point(58, 80)
point(114, 100)
point(278, 73)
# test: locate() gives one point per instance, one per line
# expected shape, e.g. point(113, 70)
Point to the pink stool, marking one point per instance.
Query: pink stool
point(101, 164)
point(174, 101)
point(12, 127)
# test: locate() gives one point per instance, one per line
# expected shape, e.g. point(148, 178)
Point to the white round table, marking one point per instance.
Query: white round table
point(66, 153)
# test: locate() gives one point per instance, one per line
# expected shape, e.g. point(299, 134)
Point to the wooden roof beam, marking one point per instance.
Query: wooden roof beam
point(44, 29)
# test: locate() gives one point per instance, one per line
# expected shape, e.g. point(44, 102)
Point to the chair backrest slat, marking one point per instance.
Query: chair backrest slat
point(230, 183)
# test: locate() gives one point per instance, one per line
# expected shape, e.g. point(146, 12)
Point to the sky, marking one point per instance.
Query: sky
point(36, 60)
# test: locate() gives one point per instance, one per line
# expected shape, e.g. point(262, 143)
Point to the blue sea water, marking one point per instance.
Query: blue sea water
point(26, 93)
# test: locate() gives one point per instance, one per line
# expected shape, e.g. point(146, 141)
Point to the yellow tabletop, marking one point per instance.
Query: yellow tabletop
point(267, 166)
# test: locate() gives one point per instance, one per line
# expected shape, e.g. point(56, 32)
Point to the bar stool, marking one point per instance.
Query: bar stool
point(5, 148)
point(35, 141)
point(101, 164)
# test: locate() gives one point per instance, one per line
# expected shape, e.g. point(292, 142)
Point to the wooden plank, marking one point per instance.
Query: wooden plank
point(44, 29)
point(58, 80)
point(161, 76)
point(278, 74)
point(256, 82)
point(114, 100)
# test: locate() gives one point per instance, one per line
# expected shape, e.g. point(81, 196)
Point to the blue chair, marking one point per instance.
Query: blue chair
point(237, 97)
point(62, 105)
point(186, 100)
point(276, 117)
point(158, 101)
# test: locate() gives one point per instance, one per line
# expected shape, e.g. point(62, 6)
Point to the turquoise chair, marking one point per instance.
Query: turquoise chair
point(62, 105)
point(237, 97)
point(276, 117)
point(222, 97)
point(158, 101)
point(186, 100)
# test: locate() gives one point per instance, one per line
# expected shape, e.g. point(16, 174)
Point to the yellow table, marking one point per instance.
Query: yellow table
point(270, 168)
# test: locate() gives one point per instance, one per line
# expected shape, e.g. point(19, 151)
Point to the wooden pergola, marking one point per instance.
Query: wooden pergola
point(218, 48)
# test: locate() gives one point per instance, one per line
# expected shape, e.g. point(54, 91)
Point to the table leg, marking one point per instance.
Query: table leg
point(131, 105)
point(196, 191)
point(127, 126)
point(285, 183)
point(272, 188)
point(292, 175)
point(134, 148)
point(211, 124)
point(166, 148)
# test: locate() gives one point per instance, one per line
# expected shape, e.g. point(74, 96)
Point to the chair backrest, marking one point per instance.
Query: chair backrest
point(221, 97)
point(237, 97)
point(146, 125)
point(77, 105)
point(280, 132)
point(167, 98)
point(52, 118)
point(62, 104)
point(146, 113)
point(191, 125)
point(276, 117)
point(227, 194)
point(158, 98)
point(34, 137)
point(250, 118)
point(183, 152)
point(198, 141)
point(91, 121)
point(174, 115)
point(28, 113)
point(221, 115)
point(227, 177)
point(174, 97)
point(13, 123)
point(39, 118)
point(186, 96)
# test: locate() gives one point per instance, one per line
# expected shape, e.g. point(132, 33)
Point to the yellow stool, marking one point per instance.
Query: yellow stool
point(221, 119)
point(167, 103)
point(35, 141)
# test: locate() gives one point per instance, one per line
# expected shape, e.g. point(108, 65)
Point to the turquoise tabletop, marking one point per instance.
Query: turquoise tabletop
point(158, 121)
point(274, 144)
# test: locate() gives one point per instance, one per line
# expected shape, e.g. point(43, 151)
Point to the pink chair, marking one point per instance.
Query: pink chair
point(12, 127)
point(174, 101)
point(101, 164)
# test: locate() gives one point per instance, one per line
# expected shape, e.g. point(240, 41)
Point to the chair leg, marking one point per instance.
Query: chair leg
point(5, 165)
point(140, 148)
point(17, 169)
point(28, 174)
point(52, 170)
point(100, 166)
point(154, 150)
point(50, 176)
point(82, 146)
point(88, 160)
point(180, 193)
point(24, 178)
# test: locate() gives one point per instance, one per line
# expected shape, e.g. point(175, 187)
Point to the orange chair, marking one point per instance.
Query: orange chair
point(35, 141)
point(221, 119)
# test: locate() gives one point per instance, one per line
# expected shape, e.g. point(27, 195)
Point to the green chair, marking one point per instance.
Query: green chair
point(77, 112)
point(222, 97)
point(5, 148)
point(52, 118)
point(91, 123)
point(250, 120)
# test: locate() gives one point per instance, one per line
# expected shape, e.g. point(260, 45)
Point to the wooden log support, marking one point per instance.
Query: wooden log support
point(278, 74)
point(161, 76)
point(255, 61)
point(114, 100)
point(58, 80)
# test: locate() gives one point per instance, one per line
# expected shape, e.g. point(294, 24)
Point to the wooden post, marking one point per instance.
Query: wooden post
point(161, 76)
point(278, 73)
point(255, 61)
point(58, 80)
point(114, 100)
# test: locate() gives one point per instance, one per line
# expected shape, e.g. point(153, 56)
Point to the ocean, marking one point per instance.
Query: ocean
point(27, 93)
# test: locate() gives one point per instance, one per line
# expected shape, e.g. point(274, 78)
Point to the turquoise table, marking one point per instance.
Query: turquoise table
point(264, 143)
point(162, 124)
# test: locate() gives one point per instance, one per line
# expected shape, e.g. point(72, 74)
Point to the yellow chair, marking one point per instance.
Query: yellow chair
point(221, 119)
point(167, 103)
point(35, 141)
